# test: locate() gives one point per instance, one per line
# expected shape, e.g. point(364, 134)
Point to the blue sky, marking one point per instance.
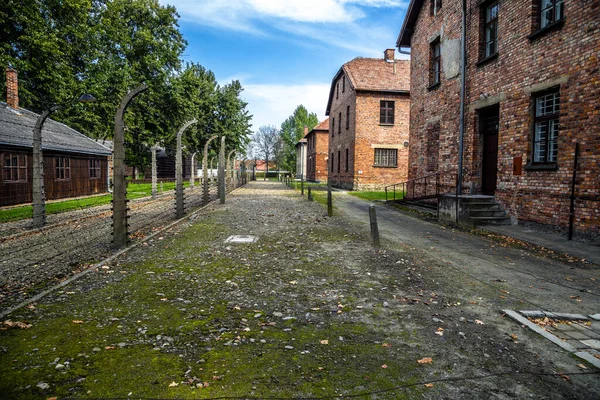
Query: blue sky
point(285, 52)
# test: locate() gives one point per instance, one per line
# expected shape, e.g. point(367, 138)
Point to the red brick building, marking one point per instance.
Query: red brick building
point(368, 111)
point(532, 91)
point(317, 149)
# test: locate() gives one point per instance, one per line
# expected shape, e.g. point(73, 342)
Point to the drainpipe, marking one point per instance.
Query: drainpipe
point(463, 69)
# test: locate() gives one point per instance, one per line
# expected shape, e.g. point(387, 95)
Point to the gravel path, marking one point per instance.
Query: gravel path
point(308, 310)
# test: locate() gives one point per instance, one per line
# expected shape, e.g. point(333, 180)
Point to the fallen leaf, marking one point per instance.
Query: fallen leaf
point(426, 360)
point(384, 366)
point(293, 282)
point(429, 385)
point(164, 299)
point(173, 384)
point(581, 366)
point(320, 368)
point(386, 345)
point(513, 336)
point(109, 348)
point(505, 291)
point(324, 341)
point(77, 321)
point(439, 333)
point(479, 322)
point(315, 309)
point(17, 324)
point(568, 278)
point(566, 378)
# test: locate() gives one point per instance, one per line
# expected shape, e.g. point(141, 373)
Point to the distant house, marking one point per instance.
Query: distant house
point(74, 165)
point(531, 96)
point(368, 111)
point(317, 146)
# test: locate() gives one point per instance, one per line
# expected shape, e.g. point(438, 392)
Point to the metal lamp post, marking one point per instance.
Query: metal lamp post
point(39, 195)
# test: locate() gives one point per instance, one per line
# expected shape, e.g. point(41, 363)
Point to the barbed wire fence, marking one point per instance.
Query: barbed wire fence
point(79, 229)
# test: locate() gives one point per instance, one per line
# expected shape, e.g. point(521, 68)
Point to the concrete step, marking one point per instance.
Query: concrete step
point(482, 206)
point(491, 220)
point(498, 212)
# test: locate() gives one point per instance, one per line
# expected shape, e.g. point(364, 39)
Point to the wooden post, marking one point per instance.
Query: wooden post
point(310, 198)
point(374, 228)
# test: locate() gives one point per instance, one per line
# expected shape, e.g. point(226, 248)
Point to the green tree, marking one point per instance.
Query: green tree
point(292, 130)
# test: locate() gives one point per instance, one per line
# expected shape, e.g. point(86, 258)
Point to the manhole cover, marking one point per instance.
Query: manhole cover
point(241, 239)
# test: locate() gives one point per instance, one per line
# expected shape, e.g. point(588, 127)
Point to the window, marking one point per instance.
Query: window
point(550, 11)
point(545, 130)
point(338, 164)
point(386, 112)
point(340, 124)
point(436, 5)
point(337, 90)
point(386, 157)
point(15, 168)
point(348, 117)
point(331, 162)
point(94, 169)
point(435, 64)
point(343, 83)
point(490, 28)
point(333, 127)
point(63, 168)
point(346, 160)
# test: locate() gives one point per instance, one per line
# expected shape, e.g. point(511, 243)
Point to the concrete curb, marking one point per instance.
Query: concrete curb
point(524, 321)
point(101, 263)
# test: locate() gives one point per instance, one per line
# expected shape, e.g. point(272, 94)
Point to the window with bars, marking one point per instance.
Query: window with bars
point(347, 117)
point(338, 162)
point(386, 157)
point(346, 169)
point(333, 127)
point(343, 83)
point(551, 11)
point(435, 67)
point(490, 30)
point(340, 123)
point(386, 112)
point(331, 162)
point(63, 168)
point(337, 90)
point(15, 168)
point(545, 130)
point(435, 6)
point(94, 166)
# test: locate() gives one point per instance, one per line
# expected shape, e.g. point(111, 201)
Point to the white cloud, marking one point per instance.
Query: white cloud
point(270, 104)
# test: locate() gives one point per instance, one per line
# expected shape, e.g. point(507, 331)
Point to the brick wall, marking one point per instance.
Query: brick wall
point(360, 136)
point(565, 57)
point(318, 146)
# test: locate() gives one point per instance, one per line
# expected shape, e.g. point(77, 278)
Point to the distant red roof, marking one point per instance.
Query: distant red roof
point(378, 74)
point(374, 74)
point(322, 126)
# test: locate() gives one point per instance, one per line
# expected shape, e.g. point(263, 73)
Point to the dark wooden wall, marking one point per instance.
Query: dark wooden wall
point(79, 184)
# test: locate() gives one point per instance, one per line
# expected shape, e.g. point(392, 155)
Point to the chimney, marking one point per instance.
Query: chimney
point(12, 88)
point(388, 55)
point(305, 130)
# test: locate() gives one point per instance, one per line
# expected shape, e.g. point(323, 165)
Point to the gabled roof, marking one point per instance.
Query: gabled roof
point(408, 26)
point(322, 126)
point(16, 129)
point(374, 75)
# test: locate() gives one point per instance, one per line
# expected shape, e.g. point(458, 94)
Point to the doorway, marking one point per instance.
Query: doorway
point(488, 128)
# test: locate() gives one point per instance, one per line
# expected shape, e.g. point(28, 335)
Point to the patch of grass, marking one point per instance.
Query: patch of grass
point(134, 191)
point(375, 195)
